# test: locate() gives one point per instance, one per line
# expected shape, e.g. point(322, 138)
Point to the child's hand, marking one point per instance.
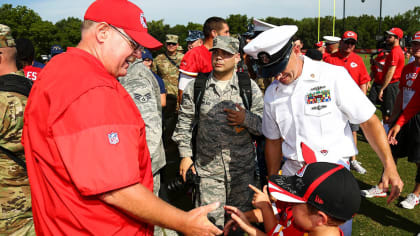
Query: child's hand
point(261, 199)
point(238, 219)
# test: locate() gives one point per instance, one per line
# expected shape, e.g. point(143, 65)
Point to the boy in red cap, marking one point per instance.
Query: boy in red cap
point(319, 198)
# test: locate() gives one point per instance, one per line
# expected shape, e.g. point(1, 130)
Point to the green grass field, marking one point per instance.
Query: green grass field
point(375, 216)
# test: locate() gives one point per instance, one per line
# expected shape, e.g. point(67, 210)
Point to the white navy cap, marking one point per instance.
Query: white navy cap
point(331, 39)
point(272, 48)
point(261, 25)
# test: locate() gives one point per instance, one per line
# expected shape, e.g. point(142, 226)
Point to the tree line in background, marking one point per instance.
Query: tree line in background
point(26, 23)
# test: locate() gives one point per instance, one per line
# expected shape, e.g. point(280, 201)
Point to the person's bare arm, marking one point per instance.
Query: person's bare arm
point(364, 87)
point(273, 155)
point(377, 138)
point(140, 203)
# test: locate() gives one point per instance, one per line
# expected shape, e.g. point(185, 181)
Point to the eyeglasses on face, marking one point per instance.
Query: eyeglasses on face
point(350, 42)
point(133, 44)
point(171, 44)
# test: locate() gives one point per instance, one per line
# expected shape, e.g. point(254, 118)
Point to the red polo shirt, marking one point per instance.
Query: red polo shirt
point(353, 64)
point(394, 58)
point(197, 60)
point(83, 136)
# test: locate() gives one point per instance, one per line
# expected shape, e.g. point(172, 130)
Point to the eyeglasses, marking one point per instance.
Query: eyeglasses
point(171, 44)
point(147, 59)
point(133, 44)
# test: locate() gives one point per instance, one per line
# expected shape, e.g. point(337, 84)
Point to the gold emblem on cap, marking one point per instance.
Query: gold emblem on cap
point(312, 76)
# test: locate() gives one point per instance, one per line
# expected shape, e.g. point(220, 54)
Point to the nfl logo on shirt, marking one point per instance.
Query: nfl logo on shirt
point(113, 138)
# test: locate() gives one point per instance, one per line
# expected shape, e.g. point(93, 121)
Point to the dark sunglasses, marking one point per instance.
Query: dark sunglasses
point(171, 44)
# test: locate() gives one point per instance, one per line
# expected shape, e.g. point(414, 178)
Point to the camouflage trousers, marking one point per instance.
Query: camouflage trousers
point(22, 225)
point(158, 230)
point(235, 193)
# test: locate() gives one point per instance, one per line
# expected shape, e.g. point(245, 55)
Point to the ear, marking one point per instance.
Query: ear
point(237, 58)
point(322, 218)
point(214, 33)
point(102, 32)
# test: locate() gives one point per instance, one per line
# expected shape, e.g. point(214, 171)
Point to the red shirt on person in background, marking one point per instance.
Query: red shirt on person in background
point(378, 72)
point(196, 60)
point(354, 65)
point(32, 72)
point(395, 58)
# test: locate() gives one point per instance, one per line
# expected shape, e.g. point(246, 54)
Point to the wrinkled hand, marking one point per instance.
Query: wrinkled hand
point(391, 178)
point(185, 164)
point(238, 219)
point(260, 199)
point(197, 222)
point(392, 134)
point(235, 117)
point(380, 95)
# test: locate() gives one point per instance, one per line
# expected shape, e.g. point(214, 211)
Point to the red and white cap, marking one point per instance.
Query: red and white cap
point(396, 31)
point(320, 44)
point(125, 15)
point(349, 35)
point(416, 37)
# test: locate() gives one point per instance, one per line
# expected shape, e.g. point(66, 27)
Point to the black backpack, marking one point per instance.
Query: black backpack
point(245, 92)
point(21, 85)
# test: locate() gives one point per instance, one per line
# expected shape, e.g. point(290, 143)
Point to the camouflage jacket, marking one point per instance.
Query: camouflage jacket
point(167, 71)
point(221, 149)
point(15, 195)
point(143, 87)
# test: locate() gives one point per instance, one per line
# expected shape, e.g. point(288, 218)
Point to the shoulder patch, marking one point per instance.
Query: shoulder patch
point(113, 138)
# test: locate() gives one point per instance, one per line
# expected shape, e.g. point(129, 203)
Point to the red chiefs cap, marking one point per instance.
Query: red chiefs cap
point(349, 35)
point(125, 15)
point(396, 31)
point(416, 37)
point(319, 44)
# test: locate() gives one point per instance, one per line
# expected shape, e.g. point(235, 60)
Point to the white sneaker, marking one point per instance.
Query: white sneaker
point(355, 165)
point(410, 202)
point(373, 192)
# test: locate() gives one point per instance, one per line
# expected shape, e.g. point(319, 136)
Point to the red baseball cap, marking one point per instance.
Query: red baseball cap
point(396, 31)
point(349, 35)
point(320, 44)
point(416, 37)
point(125, 15)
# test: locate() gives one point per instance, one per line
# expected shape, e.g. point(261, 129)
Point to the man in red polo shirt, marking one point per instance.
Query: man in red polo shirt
point(88, 163)
point(385, 92)
point(353, 63)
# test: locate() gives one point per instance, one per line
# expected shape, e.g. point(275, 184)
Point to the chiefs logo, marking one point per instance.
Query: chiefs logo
point(350, 34)
point(324, 152)
point(143, 20)
point(353, 65)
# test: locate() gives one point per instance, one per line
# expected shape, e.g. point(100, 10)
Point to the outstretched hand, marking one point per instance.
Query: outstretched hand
point(197, 222)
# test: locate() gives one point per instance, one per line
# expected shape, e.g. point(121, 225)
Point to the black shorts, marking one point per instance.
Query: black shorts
point(408, 141)
point(389, 97)
point(354, 127)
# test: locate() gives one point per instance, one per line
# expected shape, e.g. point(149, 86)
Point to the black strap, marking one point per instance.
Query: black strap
point(170, 59)
point(12, 156)
point(21, 85)
point(245, 89)
point(15, 83)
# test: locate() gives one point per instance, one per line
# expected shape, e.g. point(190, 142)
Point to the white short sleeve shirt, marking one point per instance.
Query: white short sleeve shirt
point(316, 109)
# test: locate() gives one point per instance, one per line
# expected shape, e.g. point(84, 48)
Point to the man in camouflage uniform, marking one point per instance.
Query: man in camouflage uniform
point(225, 152)
point(143, 87)
point(15, 195)
point(166, 65)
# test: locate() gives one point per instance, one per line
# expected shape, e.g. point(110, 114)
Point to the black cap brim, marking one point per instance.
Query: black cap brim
point(276, 68)
point(286, 188)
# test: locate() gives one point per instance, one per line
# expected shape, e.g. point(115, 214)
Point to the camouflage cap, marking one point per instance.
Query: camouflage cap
point(171, 38)
point(226, 43)
point(6, 39)
point(180, 48)
point(194, 35)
